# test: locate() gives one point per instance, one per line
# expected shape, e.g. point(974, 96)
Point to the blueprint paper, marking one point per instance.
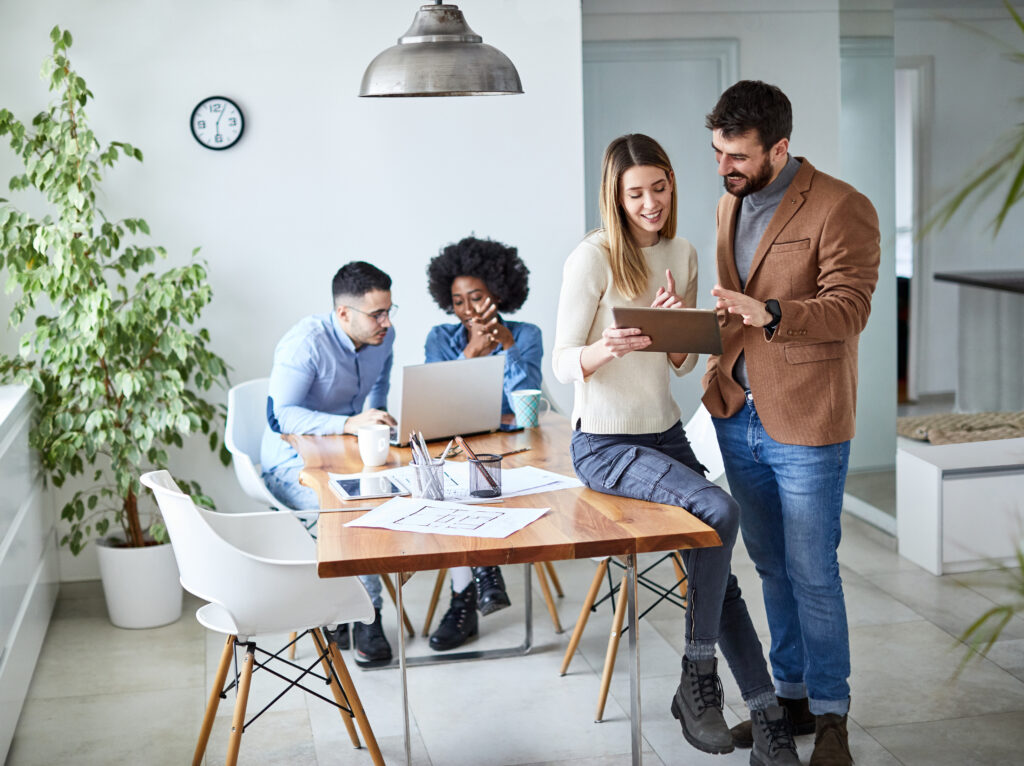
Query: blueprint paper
point(414, 514)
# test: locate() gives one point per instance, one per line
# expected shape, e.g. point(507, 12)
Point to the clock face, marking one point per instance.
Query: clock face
point(217, 122)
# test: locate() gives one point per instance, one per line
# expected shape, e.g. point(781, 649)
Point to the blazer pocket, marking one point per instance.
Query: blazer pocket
point(788, 247)
point(814, 352)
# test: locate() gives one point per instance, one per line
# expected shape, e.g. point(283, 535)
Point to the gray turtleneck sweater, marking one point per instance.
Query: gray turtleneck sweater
point(752, 218)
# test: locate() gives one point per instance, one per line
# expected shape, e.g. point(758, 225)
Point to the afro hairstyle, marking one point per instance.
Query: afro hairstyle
point(497, 265)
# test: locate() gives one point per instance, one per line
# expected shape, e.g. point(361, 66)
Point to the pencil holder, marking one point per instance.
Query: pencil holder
point(428, 479)
point(485, 476)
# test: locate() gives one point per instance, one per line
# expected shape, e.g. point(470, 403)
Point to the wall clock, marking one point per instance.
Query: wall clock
point(217, 122)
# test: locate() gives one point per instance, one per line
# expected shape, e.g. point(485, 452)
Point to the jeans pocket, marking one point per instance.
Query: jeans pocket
point(636, 472)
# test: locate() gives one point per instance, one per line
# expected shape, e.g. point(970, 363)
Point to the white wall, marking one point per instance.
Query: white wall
point(320, 176)
point(976, 87)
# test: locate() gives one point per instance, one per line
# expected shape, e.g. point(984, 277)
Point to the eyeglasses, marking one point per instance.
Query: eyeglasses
point(380, 315)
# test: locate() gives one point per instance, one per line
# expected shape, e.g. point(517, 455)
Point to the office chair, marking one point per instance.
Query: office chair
point(257, 571)
point(243, 432)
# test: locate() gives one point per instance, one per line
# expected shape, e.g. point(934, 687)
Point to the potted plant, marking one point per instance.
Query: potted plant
point(107, 343)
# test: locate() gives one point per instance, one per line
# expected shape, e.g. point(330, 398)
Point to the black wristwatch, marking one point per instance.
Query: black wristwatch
point(772, 307)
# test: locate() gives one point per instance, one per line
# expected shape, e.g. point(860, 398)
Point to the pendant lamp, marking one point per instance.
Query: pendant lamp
point(440, 56)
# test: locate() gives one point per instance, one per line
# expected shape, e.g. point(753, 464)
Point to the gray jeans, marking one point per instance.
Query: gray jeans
point(662, 468)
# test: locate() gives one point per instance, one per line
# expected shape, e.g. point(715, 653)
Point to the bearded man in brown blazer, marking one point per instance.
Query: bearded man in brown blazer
point(798, 255)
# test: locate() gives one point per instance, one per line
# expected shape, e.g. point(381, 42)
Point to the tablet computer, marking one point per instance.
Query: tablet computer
point(678, 331)
point(366, 487)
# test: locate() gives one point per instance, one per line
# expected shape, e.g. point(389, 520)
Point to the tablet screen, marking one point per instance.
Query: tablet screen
point(369, 486)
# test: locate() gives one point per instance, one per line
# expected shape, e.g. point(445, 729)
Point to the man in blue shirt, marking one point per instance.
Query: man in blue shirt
point(326, 369)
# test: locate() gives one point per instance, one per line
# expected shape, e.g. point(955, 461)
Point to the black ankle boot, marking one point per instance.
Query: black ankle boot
point(459, 623)
point(490, 589)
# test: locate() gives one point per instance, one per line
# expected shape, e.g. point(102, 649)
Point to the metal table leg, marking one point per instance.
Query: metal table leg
point(401, 664)
point(634, 660)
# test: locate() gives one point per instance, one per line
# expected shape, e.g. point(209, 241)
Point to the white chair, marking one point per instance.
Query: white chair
point(258, 573)
point(243, 432)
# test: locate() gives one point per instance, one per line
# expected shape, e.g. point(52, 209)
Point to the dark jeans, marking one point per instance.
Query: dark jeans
point(662, 468)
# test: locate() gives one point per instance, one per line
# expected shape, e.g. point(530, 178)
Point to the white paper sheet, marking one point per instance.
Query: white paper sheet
point(414, 514)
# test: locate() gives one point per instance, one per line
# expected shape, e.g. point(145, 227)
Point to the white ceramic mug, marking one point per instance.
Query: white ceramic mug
point(374, 443)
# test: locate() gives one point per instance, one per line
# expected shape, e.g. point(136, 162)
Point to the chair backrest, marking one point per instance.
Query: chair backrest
point(260, 568)
point(243, 433)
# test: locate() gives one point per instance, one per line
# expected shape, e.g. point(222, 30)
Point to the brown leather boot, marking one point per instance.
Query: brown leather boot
point(831, 742)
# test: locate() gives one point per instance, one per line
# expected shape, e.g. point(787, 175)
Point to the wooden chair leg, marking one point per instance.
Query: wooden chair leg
point(339, 695)
point(242, 699)
point(613, 648)
point(213, 702)
point(291, 649)
point(434, 597)
point(356, 705)
point(581, 623)
point(391, 592)
point(677, 561)
point(543, 582)
point(554, 578)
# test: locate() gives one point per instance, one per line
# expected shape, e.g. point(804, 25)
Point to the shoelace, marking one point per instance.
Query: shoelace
point(455, 616)
point(780, 736)
point(488, 578)
point(709, 691)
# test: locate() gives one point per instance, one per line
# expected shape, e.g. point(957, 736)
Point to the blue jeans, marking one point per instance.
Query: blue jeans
point(662, 468)
point(284, 485)
point(790, 498)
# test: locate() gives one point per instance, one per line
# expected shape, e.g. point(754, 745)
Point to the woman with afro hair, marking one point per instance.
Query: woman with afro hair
point(475, 279)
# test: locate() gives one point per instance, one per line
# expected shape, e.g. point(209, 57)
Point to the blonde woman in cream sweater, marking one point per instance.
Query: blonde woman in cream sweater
point(627, 436)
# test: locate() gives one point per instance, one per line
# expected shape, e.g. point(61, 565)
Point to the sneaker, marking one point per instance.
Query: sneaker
point(697, 705)
point(339, 635)
point(490, 589)
point(831, 742)
point(773, 738)
point(800, 718)
point(372, 647)
point(459, 623)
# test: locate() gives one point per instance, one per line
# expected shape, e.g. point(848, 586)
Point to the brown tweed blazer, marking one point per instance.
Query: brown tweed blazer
point(819, 259)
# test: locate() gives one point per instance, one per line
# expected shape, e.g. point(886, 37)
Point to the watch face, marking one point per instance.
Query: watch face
point(217, 122)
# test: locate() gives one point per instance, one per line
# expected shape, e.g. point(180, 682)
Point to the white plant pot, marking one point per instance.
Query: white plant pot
point(140, 584)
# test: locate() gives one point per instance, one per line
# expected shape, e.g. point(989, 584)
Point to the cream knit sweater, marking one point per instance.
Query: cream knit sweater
point(629, 395)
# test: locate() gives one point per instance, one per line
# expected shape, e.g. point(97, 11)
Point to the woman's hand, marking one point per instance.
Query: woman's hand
point(666, 297)
point(487, 321)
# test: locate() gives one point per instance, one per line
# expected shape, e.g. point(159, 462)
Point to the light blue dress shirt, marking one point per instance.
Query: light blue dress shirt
point(522, 362)
point(317, 381)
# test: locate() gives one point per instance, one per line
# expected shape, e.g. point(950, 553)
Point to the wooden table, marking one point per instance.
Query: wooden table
point(581, 524)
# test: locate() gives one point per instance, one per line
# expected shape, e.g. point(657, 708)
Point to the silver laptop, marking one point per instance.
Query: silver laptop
point(443, 399)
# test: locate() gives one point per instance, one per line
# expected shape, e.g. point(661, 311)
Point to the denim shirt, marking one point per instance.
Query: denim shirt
point(317, 381)
point(522, 361)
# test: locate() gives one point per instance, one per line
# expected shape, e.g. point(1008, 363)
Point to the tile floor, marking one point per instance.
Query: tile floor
point(101, 695)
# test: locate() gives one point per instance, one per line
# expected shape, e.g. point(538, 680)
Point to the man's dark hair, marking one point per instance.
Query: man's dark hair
point(498, 266)
point(753, 105)
point(356, 279)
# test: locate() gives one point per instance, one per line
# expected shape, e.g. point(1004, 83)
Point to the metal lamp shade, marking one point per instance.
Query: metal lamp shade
point(440, 56)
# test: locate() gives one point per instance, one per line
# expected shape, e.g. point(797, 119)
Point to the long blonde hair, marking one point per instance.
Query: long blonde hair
point(629, 269)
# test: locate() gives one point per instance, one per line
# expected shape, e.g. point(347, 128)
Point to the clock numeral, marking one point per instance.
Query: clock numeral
point(232, 121)
point(200, 124)
point(219, 138)
point(216, 107)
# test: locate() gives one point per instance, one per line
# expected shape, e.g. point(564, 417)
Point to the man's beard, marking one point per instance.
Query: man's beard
point(753, 183)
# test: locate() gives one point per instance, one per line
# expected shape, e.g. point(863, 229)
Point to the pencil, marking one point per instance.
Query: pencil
point(472, 456)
